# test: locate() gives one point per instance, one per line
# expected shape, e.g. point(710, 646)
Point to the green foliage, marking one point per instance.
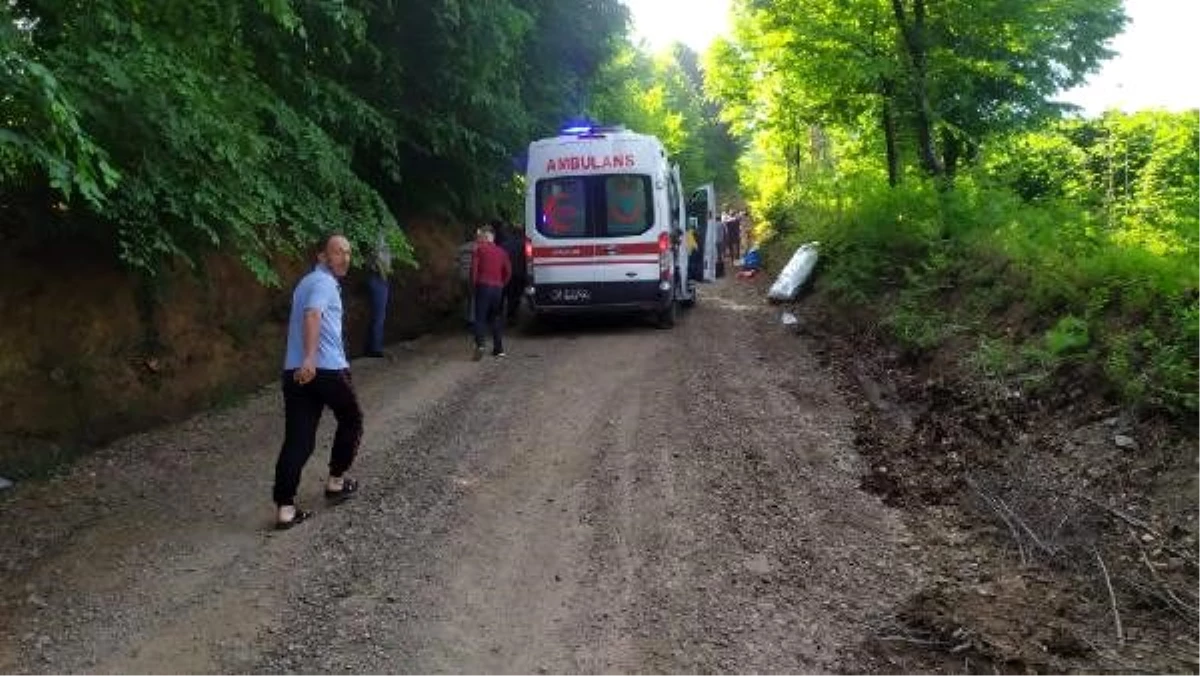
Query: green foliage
point(253, 126)
point(1137, 172)
point(868, 232)
point(993, 359)
point(1069, 334)
point(927, 82)
point(664, 96)
point(918, 327)
point(1045, 282)
point(1057, 242)
point(40, 131)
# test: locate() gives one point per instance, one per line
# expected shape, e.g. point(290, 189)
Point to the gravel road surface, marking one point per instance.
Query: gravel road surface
point(609, 498)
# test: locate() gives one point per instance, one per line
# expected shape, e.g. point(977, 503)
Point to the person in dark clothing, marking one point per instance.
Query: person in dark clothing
point(466, 255)
point(733, 237)
point(378, 287)
point(513, 244)
point(490, 271)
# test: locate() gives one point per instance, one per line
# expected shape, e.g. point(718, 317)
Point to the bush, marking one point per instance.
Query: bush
point(1121, 293)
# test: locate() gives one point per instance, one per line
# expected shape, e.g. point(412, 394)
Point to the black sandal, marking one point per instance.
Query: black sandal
point(302, 515)
point(349, 488)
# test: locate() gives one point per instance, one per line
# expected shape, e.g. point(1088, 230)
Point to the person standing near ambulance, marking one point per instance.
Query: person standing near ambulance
point(514, 245)
point(466, 255)
point(490, 271)
point(378, 287)
point(733, 236)
point(316, 374)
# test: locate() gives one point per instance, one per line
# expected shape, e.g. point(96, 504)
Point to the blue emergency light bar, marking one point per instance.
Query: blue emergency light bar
point(590, 129)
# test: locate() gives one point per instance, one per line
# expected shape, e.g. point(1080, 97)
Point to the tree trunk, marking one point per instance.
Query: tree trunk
point(789, 154)
point(951, 151)
point(889, 133)
point(915, 42)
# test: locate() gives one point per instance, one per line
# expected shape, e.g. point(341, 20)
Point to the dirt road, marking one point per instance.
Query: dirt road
point(610, 498)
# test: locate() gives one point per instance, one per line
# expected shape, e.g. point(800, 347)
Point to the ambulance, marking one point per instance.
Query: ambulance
point(606, 226)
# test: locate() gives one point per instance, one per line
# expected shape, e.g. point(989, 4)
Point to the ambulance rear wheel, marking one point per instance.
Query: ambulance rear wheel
point(666, 316)
point(690, 301)
point(530, 321)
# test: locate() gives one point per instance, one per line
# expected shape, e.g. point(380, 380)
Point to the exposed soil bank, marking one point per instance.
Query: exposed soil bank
point(90, 354)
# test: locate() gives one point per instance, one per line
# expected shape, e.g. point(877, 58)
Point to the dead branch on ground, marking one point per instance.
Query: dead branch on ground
point(1012, 520)
point(1112, 597)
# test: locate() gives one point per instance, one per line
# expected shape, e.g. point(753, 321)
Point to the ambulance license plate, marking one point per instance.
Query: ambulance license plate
point(570, 295)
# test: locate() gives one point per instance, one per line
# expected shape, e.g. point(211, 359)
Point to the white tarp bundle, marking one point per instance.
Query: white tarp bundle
point(795, 273)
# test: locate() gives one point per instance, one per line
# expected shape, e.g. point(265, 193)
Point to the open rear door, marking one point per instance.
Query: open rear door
point(701, 211)
point(685, 290)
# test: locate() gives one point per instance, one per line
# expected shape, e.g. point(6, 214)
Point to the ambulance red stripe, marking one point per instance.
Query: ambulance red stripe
point(603, 260)
point(581, 251)
point(589, 250)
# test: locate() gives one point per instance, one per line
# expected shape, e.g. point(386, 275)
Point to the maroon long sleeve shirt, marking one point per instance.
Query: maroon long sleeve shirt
point(490, 265)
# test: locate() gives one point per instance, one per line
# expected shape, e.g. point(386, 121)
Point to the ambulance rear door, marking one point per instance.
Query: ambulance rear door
point(564, 270)
point(627, 248)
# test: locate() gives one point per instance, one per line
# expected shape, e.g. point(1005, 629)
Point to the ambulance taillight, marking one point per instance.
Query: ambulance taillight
point(664, 256)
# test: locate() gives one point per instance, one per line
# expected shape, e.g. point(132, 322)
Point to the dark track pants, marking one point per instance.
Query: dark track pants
point(302, 406)
point(489, 304)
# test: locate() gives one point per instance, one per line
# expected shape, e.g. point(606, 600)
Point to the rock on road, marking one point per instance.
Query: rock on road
point(609, 498)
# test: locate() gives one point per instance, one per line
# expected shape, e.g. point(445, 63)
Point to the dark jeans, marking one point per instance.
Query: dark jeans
point(489, 301)
point(378, 286)
point(302, 407)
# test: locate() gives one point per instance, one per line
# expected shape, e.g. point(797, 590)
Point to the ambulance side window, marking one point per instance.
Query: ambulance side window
point(562, 207)
point(628, 209)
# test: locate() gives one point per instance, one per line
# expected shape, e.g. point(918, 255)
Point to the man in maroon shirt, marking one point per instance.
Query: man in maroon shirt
point(490, 271)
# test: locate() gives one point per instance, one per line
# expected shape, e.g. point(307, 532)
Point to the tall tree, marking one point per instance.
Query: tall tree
point(946, 74)
point(664, 95)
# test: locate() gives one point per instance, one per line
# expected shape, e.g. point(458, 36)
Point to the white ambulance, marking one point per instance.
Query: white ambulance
point(605, 223)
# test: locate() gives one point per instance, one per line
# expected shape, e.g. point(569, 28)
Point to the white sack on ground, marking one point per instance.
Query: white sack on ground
point(795, 273)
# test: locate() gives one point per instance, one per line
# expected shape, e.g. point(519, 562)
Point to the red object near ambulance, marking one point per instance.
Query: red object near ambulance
point(605, 222)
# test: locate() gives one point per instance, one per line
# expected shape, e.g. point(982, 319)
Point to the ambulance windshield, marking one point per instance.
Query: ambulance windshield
point(612, 205)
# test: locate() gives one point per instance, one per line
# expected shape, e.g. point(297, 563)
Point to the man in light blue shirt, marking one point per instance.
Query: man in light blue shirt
point(316, 374)
point(320, 293)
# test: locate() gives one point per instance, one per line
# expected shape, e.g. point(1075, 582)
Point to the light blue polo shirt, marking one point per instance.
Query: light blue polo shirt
point(318, 290)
